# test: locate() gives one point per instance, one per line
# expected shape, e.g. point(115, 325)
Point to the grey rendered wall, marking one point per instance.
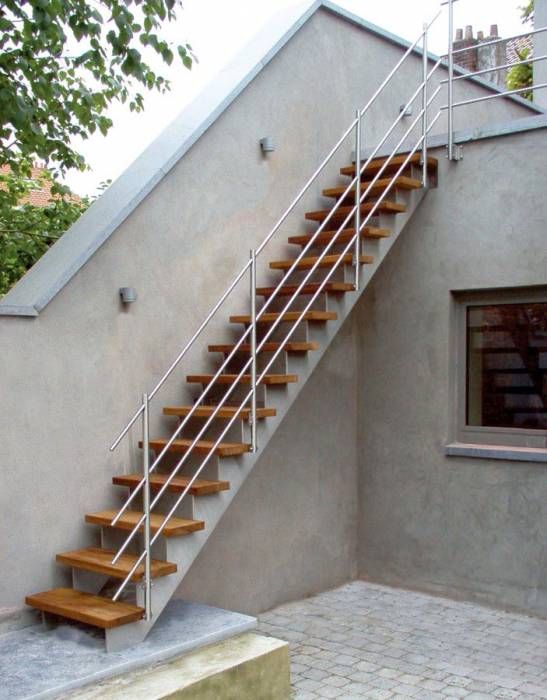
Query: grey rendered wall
point(473, 528)
point(71, 377)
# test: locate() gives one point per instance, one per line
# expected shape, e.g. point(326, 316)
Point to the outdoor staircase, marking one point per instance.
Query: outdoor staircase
point(185, 534)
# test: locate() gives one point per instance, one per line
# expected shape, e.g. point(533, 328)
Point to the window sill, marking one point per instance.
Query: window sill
point(513, 454)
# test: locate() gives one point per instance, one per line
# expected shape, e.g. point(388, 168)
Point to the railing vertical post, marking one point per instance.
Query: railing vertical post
point(357, 253)
point(425, 65)
point(450, 102)
point(146, 508)
point(252, 417)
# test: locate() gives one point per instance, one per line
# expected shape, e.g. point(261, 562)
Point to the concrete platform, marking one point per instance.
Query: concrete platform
point(247, 667)
point(37, 664)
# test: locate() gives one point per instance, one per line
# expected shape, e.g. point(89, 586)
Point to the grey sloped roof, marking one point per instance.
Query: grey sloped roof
point(63, 260)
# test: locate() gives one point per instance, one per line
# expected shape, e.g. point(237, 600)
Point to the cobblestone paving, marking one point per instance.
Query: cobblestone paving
point(369, 641)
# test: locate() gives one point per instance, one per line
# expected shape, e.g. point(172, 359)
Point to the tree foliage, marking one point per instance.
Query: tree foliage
point(523, 76)
point(62, 65)
point(28, 230)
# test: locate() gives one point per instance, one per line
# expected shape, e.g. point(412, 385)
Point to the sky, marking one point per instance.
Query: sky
point(217, 30)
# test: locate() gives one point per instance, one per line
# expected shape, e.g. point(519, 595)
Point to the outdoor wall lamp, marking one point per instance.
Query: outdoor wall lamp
point(128, 295)
point(267, 144)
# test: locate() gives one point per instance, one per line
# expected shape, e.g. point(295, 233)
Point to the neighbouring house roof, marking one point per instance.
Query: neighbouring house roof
point(41, 196)
point(63, 260)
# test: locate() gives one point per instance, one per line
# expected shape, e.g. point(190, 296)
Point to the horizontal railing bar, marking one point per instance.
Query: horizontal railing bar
point(497, 68)
point(498, 41)
point(183, 352)
point(499, 94)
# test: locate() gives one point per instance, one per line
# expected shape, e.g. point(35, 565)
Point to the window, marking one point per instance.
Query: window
point(501, 368)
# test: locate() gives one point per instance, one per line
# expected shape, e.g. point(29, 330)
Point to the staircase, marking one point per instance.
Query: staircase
point(391, 199)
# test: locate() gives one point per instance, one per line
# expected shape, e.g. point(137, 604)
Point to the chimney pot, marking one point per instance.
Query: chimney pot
point(469, 32)
point(480, 36)
point(459, 34)
point(494, 30)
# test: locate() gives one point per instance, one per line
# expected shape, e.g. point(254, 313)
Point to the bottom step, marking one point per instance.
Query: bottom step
point(84, 607)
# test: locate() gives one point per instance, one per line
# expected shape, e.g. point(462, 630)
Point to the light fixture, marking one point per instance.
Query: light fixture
point(267, 144)
point(128, 295)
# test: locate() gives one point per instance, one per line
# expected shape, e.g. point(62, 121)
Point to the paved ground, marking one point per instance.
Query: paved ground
point(369, 641)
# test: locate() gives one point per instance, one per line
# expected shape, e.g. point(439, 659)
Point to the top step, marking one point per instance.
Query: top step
point(395, 163)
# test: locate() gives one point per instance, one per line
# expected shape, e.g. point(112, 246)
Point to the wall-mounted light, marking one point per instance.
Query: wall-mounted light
point(267, 144)
point(407, 111)
point(128, 295)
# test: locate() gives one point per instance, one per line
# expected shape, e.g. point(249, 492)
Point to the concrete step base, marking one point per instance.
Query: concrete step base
point(246, 667)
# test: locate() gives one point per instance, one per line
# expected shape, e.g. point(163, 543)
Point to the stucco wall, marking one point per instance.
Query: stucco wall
point(467, 527)
point(72, 376)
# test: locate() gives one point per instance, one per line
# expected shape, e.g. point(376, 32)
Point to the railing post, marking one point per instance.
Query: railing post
point(146, 508)
point(357, 253)
point(450, 103)
point(252, 417)
point(424, 108)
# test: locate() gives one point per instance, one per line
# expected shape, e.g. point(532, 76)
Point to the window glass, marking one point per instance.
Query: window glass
point(506, 378)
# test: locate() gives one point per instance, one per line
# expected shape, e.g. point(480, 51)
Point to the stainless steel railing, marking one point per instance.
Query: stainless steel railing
point(256, 346)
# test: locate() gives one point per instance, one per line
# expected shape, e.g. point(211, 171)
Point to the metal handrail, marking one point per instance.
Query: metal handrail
point(494, 69)
point(252, 394)
point(355, 241)
point(530, 32)
point(290, 333)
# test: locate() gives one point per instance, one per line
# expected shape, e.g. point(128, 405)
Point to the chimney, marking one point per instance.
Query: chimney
point(492, 56)
point(465, 59)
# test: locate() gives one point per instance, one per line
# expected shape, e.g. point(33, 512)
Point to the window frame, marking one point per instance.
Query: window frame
point(484, 435)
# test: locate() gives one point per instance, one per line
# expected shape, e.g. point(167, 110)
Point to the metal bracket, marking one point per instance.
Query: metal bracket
point(458, 153)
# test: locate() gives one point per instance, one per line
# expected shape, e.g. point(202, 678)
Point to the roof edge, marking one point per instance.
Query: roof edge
point(71, 252)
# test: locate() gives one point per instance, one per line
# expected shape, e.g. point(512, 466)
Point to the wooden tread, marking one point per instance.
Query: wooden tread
point(225, 412)
point(289, 316)
point(85, 607)
point(175, 526)
point(268, 379)
point(375, 165)
point(388, 206)
point(100, 561)
point(307, 289)
point(403, 182)
point(223, 449)
point(291, 347)
point(327, 261)
point(341, 237)
point(200, 487)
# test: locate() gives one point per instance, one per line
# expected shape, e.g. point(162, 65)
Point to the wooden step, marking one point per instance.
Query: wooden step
point(291, 347)
point(225, 412)
point(200, 487)
point(85, 607)
point(388, 206)
point(223, 449)
point(341, 237)
point(403, 182)
point(289, 316)
point(327, 261)
point(308, 289)
point(395, 163)
point(175, 526)
point(100, 561)
point(268, 379)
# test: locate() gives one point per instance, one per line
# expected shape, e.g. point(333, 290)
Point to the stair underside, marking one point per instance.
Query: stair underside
point(85, 607)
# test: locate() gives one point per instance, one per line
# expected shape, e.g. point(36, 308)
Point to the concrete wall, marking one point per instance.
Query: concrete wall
point(473, 528)
point(72, 376)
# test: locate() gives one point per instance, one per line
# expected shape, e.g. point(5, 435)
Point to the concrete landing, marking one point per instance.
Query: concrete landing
point(38, 664)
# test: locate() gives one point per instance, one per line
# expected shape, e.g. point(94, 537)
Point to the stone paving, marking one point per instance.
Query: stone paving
point(369, 641)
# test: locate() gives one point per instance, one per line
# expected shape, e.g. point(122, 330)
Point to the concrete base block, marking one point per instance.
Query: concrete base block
point(246, 667)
